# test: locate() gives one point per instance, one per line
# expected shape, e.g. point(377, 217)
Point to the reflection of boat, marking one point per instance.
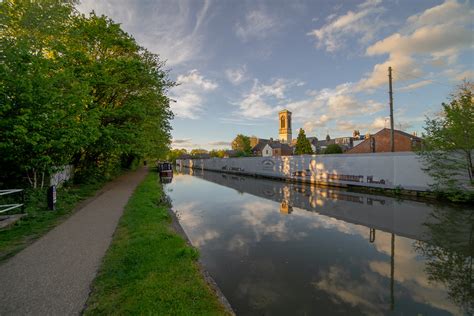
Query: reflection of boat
point(165, 170)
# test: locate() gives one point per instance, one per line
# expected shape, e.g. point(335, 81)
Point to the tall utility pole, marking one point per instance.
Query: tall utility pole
point(392, 141)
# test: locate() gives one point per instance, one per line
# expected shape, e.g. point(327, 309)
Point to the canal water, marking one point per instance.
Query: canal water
point(276, 248)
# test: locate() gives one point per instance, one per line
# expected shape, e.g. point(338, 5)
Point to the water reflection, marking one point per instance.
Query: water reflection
point(279, 249)
point(449, 254)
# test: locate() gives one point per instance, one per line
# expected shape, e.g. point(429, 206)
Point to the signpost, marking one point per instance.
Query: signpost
point(52, 197)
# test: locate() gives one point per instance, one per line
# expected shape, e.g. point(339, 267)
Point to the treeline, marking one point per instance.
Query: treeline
point(75, 89)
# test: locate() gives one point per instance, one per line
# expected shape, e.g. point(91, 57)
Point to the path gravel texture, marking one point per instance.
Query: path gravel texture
point(53, 275)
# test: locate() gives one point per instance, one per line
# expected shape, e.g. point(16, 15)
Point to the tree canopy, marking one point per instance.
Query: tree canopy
point(448, 145)
point(241, 143)
point(333, 149)
point(76, 89)
point(303, 146)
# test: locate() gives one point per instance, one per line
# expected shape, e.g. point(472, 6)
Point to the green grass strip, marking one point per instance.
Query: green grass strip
point(149, 269)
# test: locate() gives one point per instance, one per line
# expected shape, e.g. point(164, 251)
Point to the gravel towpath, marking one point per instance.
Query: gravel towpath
point(53, 275)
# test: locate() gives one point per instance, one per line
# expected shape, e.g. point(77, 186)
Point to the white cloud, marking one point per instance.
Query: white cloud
point(186, 143)
point(364, 22)
point(220, 143)
point(257, 24)
point(319, 110)
point(190, 94)
point(169, 28)
point(237, 75)
point(194, 78)
point(415, 85)
point(465, 75)
point(256, 103)
point(439, 33)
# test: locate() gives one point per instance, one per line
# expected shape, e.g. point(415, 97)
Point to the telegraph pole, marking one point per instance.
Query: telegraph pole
point(392, 147)
point(390, 93)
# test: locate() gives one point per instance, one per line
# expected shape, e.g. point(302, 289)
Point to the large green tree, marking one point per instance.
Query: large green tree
point(332, 149)
point(448, 145)
point(303, 146)
point(42, 98)
point(241, 144)
point(76, 89)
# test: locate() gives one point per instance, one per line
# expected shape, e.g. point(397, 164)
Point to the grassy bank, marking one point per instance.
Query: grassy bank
point(39, 219)
point(149, 269)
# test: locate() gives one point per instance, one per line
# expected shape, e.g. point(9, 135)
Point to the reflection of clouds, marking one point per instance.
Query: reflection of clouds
point(187, 214)
point(316, 220)
point(409, 268)
point(261, 216)
point(260, 294)
point(364, 294)
point(179, 178)
point(204, 237)
point(410, 273)
point(260, 290)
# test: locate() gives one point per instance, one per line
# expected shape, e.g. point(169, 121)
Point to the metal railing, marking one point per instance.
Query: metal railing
point(8, 207)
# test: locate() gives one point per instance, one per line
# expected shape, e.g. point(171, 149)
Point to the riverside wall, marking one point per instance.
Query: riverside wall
point(377, 170)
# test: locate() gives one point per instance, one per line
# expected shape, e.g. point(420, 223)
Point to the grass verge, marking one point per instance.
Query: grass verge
point(149, 269)
point(39, 219)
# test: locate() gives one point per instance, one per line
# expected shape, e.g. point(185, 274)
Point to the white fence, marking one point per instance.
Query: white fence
point(381, 170)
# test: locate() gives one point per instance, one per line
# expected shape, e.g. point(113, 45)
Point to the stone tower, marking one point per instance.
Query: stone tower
point(284, 131)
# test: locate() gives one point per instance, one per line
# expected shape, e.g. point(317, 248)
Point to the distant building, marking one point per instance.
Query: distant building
point(284, 132)
point(318, 146)
point(276, 148)
point(257, 145)
point(380, 142)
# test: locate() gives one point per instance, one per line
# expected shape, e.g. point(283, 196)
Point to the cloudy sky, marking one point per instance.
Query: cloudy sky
point(239, 62)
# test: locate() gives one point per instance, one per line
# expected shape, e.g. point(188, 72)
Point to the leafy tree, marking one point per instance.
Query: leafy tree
point(448, 146)
point(175, 154)
point(303, 146)
point(241, 143)
point(76, 89)
point(220, 153)
point(42, 99)
point(333, 149)
point(198, 151)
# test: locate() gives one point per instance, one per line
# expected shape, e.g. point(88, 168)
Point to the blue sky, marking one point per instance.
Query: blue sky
point(240, 62)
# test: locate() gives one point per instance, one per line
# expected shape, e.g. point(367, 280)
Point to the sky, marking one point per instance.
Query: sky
point(238, 63)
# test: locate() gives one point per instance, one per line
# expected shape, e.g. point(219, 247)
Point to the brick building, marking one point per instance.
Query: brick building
point(380, 142)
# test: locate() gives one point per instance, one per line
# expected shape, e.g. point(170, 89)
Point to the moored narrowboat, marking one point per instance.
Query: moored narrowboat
point(165, 169)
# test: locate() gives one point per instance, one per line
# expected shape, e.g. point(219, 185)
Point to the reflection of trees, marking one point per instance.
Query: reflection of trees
point(449, 252)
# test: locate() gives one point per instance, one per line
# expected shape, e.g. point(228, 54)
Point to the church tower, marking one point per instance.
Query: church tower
point(284, 131)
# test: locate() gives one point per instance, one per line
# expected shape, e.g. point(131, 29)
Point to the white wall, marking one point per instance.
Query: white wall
point(382, 170)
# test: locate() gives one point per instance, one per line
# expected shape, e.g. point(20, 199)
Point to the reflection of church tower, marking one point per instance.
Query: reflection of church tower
point(285, 126)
